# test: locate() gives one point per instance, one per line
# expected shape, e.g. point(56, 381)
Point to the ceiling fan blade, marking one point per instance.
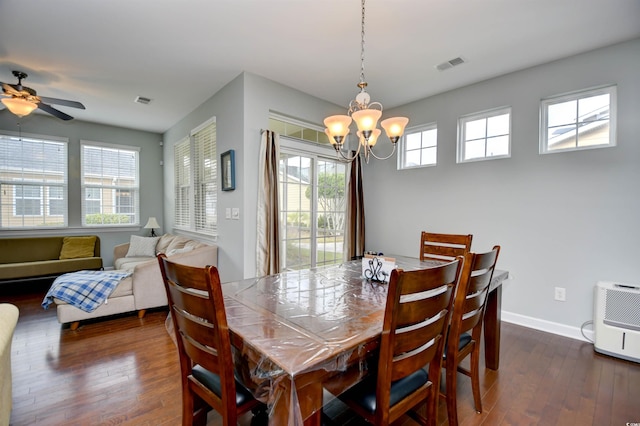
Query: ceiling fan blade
point(51, 110)
point(10, 89)
point(63, 102)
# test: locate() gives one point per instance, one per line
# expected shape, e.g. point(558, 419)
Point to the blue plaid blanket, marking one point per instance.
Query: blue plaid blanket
point(85, 290)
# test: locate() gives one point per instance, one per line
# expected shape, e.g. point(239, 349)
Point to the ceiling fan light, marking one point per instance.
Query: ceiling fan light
point(394, 127)
point(366, 119)
point(19, 107)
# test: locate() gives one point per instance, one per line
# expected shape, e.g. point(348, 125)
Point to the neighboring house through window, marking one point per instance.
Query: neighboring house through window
point(110, 184)
point(33, 182)
point(196, 180)
point(484, 135)
point(578, 120)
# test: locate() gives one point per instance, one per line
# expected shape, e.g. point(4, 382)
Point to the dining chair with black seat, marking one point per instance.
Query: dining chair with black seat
point(417, 313)
point(199, 320)
point(466, 327)
point(444, 246)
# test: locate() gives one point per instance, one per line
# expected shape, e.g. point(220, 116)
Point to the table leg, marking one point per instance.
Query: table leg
point(492, 329)
point(292, 405)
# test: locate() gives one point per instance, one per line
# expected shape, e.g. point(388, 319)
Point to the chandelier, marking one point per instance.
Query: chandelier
point(366, 115)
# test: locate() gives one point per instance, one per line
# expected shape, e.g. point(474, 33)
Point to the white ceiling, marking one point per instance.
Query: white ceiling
point(179, 53)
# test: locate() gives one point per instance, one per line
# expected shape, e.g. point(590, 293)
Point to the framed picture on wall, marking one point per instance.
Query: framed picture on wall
point(228, 169)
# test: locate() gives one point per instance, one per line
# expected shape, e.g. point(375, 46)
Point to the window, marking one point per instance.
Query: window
point(55, 201)
point(197, 185)
point(579, 120)
point(292, 128)
point(182, 165)
point(33, 182)
point(312, 199)
point(419, 147)
point(484, 135)
point(110, 184)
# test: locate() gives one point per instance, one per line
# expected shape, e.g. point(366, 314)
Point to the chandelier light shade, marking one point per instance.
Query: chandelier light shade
point(19, 107)
point(366, 115)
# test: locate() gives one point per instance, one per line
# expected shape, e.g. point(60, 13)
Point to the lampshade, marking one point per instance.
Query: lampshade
point(366, 119)
point(373, 138)
point(152, 223)
point(337, 128)
point(18, 106)
point(394, 127)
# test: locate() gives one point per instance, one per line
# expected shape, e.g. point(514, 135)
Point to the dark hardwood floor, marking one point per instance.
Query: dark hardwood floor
point(124, 370)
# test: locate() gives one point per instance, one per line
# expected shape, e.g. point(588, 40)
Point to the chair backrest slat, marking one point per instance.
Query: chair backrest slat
point(444, 246)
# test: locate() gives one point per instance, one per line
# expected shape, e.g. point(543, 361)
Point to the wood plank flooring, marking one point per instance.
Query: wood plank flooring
point(124, 371)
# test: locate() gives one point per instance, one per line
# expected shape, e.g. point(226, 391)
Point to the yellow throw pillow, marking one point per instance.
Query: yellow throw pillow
point(77, 247)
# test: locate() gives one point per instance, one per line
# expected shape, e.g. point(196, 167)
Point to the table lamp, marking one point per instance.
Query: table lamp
point(151, 224)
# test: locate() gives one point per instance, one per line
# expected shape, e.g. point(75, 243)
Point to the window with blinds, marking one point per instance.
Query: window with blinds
point(182, 155)
point(110, 184)
point(196, 180)
point(33, 183)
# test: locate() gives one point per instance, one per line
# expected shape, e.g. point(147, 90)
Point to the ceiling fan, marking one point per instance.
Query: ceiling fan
point(22, 100)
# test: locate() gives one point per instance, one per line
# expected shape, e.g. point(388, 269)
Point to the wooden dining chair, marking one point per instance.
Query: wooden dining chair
point(444, 246)
point(206, 365)
point(413, 335)
point(466, 327)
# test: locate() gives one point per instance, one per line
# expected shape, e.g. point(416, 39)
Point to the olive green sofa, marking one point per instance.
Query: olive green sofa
point(36, 257)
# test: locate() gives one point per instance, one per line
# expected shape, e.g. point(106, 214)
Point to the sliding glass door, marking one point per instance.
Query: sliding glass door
point(312, 210)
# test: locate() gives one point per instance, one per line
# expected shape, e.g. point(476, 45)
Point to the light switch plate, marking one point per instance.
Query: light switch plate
point(235, 213)
point(227, 213)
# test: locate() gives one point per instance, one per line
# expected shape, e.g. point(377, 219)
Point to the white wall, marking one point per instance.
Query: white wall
point(567, 219)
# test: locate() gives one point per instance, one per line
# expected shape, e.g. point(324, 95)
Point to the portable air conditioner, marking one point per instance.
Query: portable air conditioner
point(617, 320)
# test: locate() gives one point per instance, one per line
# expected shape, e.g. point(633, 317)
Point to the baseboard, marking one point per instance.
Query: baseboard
point(548, 326)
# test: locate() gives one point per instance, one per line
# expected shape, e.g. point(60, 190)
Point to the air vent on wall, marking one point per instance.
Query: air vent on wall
point(450, 63)
point(142, 100)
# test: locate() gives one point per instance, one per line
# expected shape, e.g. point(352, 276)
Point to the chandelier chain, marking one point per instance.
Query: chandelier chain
point(362, 46)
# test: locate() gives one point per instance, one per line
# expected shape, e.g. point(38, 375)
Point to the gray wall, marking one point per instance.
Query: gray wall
point(242, 110)
point(568, 219)
point(150, 173)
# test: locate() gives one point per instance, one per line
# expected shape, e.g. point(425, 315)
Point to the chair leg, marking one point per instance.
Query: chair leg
point(451, 391)
point(475, 377)
point(74, 325)
point(141, 313)
point(187, 408)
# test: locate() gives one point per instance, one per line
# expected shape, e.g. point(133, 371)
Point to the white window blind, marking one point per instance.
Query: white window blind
point(205, 179)
point(182, 156)
point(33, 183)
point(110, 185)
point(196, 180)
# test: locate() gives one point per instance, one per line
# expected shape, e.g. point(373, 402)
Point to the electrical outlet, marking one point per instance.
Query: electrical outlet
point(227, 213)
point(560, 294)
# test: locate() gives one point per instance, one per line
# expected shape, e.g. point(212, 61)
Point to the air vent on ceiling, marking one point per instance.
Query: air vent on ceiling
point(450, 63)
point(142, 100)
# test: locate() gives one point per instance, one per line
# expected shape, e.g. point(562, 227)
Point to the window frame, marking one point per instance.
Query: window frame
point(402, 154)
point(477, 116)
point(199, 178)
point(47, 167)
point(315, 152)
point(113, 188)
point(577, 95)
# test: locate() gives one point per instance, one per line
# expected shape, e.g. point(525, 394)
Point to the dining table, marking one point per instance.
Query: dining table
point(297, 332)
